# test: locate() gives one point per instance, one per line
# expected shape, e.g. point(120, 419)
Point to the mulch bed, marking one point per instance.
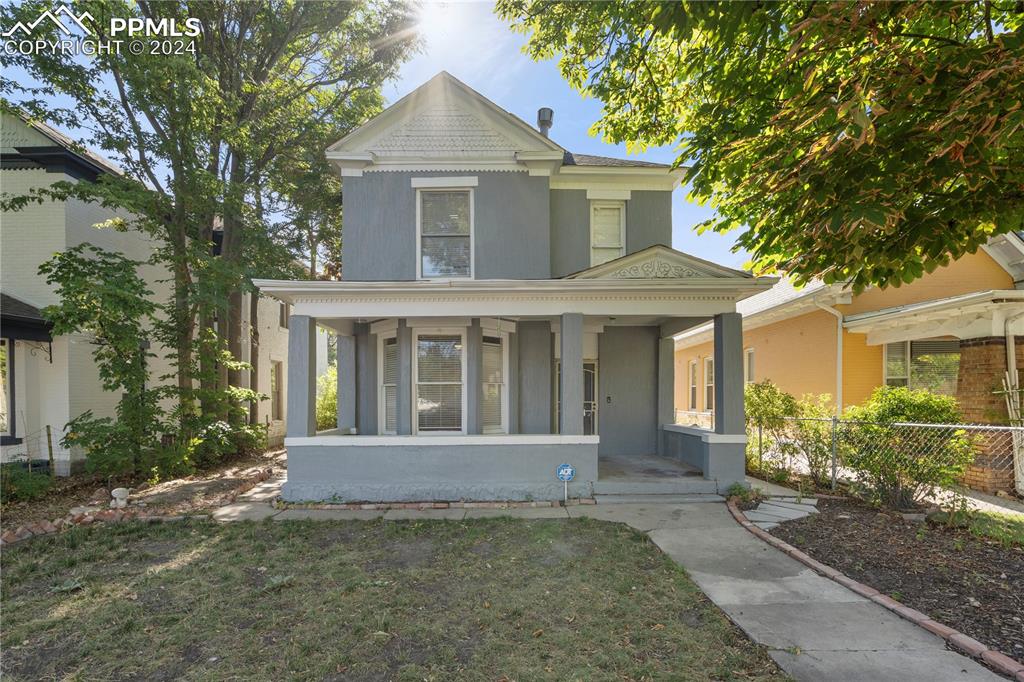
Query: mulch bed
point(968, 583)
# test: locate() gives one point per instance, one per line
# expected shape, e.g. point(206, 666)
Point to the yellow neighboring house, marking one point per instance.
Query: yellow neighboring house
point(952, 331)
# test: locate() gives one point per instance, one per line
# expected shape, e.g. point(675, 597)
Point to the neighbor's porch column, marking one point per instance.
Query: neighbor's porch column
point(729, 416)
point(571, 377)
point(666, 387)
point(346, 382)
point(301, 376)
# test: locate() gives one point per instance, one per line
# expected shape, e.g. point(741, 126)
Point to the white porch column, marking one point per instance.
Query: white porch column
point(301, 417)
point(729, 415)
point(571, 376)
point(666, 387)
point(346, 382)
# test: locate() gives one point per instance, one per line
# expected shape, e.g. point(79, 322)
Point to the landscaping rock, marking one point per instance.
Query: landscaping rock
point(100, 496)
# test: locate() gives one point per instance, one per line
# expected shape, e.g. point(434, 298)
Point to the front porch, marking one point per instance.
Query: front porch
point(486, 404)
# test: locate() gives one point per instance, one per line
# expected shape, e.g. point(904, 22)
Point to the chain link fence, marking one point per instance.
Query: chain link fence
point(900, 463)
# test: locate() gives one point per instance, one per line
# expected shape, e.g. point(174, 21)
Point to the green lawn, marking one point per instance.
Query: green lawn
point(349, 600)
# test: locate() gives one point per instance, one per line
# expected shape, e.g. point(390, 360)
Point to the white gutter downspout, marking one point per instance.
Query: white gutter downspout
point(839, 354)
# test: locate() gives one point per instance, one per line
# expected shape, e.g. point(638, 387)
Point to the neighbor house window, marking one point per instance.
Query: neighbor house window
point(284, 312)
point(709, 384)
point(389, 385)
point(445, 233)
point(492, 409)
point(5, 394)
point(931, 365)
point(276, 382)
point(439, 370)
point(693, 384)
point(748, 366)
point(607, 231)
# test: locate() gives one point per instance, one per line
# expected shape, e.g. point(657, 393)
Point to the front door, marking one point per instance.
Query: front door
point(589, 396)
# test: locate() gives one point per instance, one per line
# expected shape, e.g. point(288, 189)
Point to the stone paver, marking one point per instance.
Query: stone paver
point(329, 515)
point(244, 511)
point(523, 513)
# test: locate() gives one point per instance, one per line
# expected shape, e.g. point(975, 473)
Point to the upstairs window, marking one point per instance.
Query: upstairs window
point(445, 233)
point(607, 231)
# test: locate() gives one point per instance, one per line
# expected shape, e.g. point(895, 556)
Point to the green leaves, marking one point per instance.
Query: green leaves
point(862, 142)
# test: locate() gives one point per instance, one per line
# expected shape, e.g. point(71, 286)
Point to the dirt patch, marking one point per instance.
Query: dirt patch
point(400, 554)
point(969, 583)
point(190, 494)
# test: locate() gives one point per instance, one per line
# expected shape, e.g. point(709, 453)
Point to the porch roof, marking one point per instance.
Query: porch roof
point(689, 296)
point(973, 315)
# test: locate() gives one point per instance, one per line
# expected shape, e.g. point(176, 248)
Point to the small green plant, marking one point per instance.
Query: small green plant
point(19, 484)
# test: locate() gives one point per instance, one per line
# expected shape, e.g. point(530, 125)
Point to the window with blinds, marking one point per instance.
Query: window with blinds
point(445, 227)
point(439, 383)
point(748, 366)
point(607, 231)
point(491, 407)
point(389, 386)
point(928, 364)
point(709, 384)
point(693, 385)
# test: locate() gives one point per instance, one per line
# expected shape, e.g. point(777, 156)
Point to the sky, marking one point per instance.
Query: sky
point(467, 40)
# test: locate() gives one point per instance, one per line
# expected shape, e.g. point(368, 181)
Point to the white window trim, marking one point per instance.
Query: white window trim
point(445, 182)
point(906, 364)
point(603, 203)
point(709, 382)
point(431, 331)
point(382, 417)
point(472, 226)
point(609, 194)
point(8, 389)
point(748, 356)
point(503, 428)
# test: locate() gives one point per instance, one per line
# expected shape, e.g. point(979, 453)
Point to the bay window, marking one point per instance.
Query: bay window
point(445, 227)
point(492, 408)
point(440, 367)
point(388, 371)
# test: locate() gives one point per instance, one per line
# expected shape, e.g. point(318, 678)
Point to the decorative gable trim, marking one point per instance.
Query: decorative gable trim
point(659, 262)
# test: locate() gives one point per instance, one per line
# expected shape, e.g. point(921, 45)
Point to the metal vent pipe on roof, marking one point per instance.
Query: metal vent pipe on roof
point(545, 119)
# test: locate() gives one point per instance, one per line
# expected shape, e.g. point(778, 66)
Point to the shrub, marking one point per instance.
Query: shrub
point(898, 466)
point(18, 484)
point(812, 436)
point(327, 399)
point(768, 410)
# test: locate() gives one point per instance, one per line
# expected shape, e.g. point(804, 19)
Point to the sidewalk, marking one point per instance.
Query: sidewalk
point(814, 628)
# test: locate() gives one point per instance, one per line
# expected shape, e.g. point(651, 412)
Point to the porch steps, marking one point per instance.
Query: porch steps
point(657, 499)
point(683, 485)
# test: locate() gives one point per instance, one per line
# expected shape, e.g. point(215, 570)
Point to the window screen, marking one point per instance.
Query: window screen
point(934, 365)
point(439, 383)
point(445, 234)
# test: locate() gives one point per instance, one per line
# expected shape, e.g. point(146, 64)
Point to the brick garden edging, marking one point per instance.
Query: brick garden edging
point(958, 640)
point(116, 516)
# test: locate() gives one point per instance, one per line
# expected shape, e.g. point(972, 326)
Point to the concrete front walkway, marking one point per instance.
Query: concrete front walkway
point(815, 629)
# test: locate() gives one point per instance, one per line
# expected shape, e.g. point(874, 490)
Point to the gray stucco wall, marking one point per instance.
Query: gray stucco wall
point(511, 225)
point(627, 374)
point(648, 222)
point(427, 472)
point(535, 351)
point(723, 463)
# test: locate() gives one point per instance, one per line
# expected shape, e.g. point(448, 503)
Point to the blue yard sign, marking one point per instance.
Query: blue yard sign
point(566, 472)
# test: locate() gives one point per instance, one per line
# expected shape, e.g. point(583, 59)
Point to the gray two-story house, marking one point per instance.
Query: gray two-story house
point(505, 307)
